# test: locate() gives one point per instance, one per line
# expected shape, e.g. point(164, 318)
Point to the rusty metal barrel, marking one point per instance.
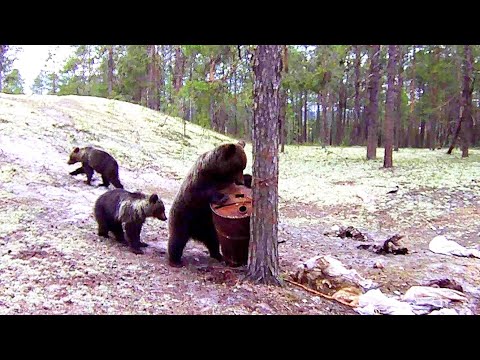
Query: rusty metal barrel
point(232, 224)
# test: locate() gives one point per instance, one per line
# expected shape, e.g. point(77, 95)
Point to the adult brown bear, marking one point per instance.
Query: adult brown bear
point(190, 214)
point(98, 160)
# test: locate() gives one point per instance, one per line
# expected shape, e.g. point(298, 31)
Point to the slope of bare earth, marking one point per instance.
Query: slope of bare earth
point(52, 261)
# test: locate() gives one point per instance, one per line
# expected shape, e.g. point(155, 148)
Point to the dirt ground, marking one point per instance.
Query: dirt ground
point(53, 262)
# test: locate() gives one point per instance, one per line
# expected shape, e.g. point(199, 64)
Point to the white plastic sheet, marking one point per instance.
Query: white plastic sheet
point(441, 245)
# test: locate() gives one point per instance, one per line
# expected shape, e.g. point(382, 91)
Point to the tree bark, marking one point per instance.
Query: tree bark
point(283, 103)
point(318, 121)
point(110, 65)
point(373, 88)
point(152, 89)
point(398, 130)
point(263, 264)
point(2, 57)
point(300, 122)
point(356, 125)
point(390, 107)
point(467, 100)
point(332, 122)
point(412, 126)
point(282, 119)
point(465, 116)
point(305, 117)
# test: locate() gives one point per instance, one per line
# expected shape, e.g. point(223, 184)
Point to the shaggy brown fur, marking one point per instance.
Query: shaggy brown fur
point(118, 206)
point(190, 215)
point(98, 160)
point(247, 181)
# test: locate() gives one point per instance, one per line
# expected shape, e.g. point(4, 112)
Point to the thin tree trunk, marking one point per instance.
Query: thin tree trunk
point(263, 262)
point(283, 102)
point(151, 82)
point(281, 120)
point(299, 115)
point(458, 126)
point(305, 117)
point(356, 124)
point(338, 133)
point(2, 56)
point(332, 109)
point(325, 119)
point(398, 130)
point(373, 88)
point(412, 126)
point(318, 121)
point(110, 65)
point(390, 107)
point(467, 100)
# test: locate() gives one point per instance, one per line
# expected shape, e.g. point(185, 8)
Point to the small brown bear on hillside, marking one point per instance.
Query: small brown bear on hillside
point(190, 215)
point(98, 160)
point(120, 206)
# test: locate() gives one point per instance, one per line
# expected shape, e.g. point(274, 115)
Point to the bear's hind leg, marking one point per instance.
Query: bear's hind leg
point(177, 241)
point(105, 181)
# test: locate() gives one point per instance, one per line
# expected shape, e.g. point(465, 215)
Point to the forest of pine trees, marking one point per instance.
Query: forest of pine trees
point(331, 94)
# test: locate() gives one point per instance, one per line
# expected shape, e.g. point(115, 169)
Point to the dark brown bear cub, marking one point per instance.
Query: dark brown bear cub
point(121, 206)
point(190, 215)
point(98, 160)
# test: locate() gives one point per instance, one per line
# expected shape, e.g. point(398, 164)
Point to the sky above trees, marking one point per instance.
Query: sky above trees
point(31, 59)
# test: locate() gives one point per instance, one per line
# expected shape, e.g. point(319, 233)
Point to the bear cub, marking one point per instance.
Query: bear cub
point(119, 206)
point(98, 160)
point(190, 214)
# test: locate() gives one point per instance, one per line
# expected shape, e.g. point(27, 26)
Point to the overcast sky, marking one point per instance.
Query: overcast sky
point(32, 59)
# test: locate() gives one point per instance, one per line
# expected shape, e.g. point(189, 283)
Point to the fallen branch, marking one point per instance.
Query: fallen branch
point(317, 292)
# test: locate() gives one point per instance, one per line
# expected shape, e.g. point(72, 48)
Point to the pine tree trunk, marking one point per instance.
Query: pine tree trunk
point(356, 125)
point(179, 68)
point(283, 102)
point(325, 119)
point(305, 118)
point(282, 119)
point(178, 72)
point(300, 122)
point(390, 107)
point(318, 121)
point(467, 100)
point(151, 81)
point(373, 88)
point(263, 263)
point(2, 56)
point(110, 65)
point(332, 120)
point(432, 123)
point(398, 130)
point(338, 132)
point(412, 126)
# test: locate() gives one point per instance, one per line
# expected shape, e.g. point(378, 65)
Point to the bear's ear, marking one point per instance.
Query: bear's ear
point(153, 199)
point(230, 150)
point(241, 143)
point(76, 150)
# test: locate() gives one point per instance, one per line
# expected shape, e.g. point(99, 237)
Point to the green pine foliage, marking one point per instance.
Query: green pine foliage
point(212, 85)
